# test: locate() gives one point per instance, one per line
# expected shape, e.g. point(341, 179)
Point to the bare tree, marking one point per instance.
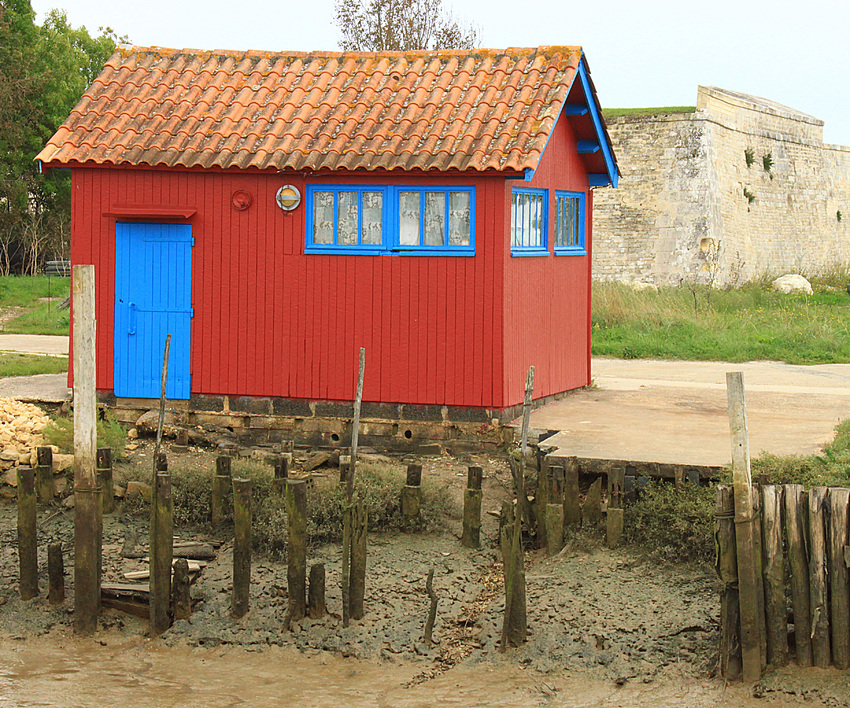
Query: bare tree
point(401, 25)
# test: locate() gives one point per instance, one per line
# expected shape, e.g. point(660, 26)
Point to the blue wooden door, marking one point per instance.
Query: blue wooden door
point(153, 298)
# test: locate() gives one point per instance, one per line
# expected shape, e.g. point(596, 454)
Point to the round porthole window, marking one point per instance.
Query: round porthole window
point(288, 197)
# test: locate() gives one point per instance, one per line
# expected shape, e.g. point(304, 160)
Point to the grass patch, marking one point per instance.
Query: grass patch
point(37, 316)
point(378, 485)
point(60, 432)
point(13, 364)
point(700, 323)
point(662, 110)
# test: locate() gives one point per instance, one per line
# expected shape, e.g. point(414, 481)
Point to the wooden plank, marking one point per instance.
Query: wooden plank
point(838, 582)
point(727, 571)
point(818, 587)
point(774, 576)
point(572, 503)
point(798, 563)
point(745, 536)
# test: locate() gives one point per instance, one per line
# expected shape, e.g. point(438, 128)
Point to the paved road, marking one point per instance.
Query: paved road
point(34, 344)
point(676, 412)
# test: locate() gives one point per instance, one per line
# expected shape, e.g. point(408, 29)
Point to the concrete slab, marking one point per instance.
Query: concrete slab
point(45, 388)
point(675, 412)
point(34, 344)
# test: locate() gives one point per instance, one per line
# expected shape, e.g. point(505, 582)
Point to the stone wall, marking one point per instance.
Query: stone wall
point(691, 208)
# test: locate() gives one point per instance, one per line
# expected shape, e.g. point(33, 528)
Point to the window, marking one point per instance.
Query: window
point(569, 224)
point(377, 220)
point(529, 220)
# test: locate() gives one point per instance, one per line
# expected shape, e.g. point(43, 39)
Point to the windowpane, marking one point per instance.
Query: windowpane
point(373, 215)
point(514, 229)
point(323, 217)
point(408, 221)
point(347, 218)
point(460, 218)
point(435, 218)
point(526, 220)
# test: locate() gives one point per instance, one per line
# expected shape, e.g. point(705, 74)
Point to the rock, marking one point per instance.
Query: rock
point(118, 491)
point(63, 462)
point(132, 434)
point(10, 477)
point(790, 284)
point(60, 485)
point(317, 459)
point(68, 502)
point(136, 489)
point(9, 455)
point(640, 287)
point(147, 423)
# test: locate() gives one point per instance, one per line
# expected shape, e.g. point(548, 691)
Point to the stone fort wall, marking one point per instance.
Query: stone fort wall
point(739, 188)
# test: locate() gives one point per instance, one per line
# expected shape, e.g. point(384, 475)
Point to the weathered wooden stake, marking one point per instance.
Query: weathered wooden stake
point(757, 517)
point(411, 495)
point(316, 607)
point(614, 522)
point(27, 534)
point(616, 483)
point(296, 571)
point(220, 488)
point(241, 547)
point(104, 473)
point(86, 490)
point(591, 510)
point(796, 506)
point(541, 501)
point(44, 473)
point(347, 472)
point(471, 537)
point(526, 413)
point(572, 503)
point(357, 588)
point(554, 517)
point(161, 552)
point(55, 574)
point(776, 614)
point(181, 597)
point(514, 626)
point(818, 585)
point(839, 590)
point(745, 537)
point(432, 609)
point(727, 570)
point(281, 473)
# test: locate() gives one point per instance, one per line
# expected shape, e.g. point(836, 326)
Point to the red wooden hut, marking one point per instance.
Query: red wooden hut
point(275, 212)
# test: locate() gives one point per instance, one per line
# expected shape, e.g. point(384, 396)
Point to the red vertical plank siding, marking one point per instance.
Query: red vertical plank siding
point(547, 298)
point(270, 321)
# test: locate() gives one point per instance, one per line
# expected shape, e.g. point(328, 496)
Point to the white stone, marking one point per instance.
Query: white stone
point(792, 283)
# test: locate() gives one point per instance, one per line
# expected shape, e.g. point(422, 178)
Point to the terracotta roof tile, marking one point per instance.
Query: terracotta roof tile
point(478, 109)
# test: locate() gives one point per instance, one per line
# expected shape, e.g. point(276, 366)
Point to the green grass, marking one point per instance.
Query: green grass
point(36, 316)
point(747, 324)
point(662, 110)
point(13, 364)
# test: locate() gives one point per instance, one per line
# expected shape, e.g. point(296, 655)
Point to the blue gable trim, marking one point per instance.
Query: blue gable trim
point(607, 151)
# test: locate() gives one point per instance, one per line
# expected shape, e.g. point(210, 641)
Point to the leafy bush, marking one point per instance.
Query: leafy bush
point(110, 433)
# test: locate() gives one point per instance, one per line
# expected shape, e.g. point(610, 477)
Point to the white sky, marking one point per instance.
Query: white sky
point(640, 52)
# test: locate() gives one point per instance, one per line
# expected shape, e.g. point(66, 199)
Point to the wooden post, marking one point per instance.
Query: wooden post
point(348, 521)
point(104, 473)
point(241, 547)
point(471, 537)
point(776, 614)
point(316, 607)
point(523, 504)
point(86, 491)
point(614, 521)
point(296, 571)
point(27, 534)
point(572, 503)
point(591, 510)
point(616, 482)
point(745, 536)
point(181, 597)
point(839, 590)
point(818, 586)
point(411, 495)
point(757, 516)
point(554, 522)
point(796, 505)
point(220, 489)
point(281, 473)
point(357, 587)
point(514, 625)
point(161, 552)
point(432, 609)
point(727, 570)
point(526, 413)
point(55, 574)
point(44, 472)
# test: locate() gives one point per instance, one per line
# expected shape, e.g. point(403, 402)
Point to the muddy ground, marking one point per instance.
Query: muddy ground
point(610, 619)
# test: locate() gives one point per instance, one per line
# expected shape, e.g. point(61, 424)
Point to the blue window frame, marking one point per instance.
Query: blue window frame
point(390, 220)
point(529, 222)
point(569, 224)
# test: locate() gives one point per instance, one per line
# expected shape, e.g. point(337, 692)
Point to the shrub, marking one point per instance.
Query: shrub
point(110, 433)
